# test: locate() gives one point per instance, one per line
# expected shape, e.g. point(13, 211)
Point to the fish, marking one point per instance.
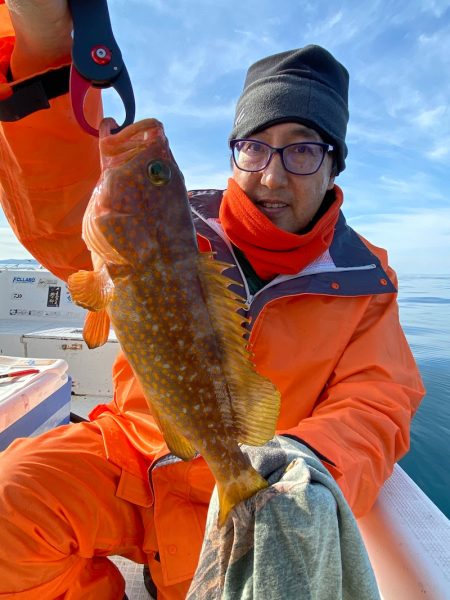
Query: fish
point(173, 313)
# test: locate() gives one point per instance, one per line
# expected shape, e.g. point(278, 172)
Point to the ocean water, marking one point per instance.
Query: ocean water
point(424, 302)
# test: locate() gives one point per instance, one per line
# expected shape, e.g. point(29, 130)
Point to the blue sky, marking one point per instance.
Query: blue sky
point(187, 62)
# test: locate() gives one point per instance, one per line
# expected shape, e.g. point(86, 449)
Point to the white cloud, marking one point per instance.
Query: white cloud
point(439, 152)
point(435, 47)
point(417, 242)
point(327, 25)
point(432, 118)
point(336, 28)
point(365, 130)
point(418, 186)
point(396, 186)
point(436, 7)
point(401, 90)
point(178, 107)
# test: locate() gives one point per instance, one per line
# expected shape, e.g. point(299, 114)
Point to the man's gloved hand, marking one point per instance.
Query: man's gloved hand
point(43, 35)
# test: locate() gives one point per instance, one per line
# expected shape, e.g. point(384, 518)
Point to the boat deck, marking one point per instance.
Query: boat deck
point(134, 580)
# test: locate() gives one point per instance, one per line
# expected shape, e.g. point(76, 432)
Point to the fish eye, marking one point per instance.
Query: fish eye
point(159, 172)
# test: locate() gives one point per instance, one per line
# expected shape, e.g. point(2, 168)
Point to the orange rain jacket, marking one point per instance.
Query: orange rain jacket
point(333, 345)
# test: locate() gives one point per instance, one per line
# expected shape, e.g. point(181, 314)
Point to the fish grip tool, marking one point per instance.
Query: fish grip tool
point(96, 60)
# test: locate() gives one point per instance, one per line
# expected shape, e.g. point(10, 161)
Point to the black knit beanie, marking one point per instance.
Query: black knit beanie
point(307, 85)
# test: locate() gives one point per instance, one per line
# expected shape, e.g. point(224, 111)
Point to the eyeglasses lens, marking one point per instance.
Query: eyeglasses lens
point(251, 156)
point(301, 159)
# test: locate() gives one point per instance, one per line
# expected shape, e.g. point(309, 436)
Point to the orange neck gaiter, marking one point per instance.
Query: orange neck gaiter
point(271, 250)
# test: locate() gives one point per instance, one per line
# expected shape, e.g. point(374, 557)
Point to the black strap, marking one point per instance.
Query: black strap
point(34, 93)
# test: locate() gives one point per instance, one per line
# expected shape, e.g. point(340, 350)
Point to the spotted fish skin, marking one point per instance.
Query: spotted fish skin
point(172, 312)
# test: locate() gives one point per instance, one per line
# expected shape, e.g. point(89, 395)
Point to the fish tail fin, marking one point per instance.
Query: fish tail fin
point(248, 483)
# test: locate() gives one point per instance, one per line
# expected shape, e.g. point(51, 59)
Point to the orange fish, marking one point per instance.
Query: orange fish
point(173, 314)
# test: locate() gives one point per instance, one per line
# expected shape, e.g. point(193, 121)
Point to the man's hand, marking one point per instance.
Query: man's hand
point(43, 35)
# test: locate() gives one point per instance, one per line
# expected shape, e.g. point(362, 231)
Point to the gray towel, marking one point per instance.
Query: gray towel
point(298, 539)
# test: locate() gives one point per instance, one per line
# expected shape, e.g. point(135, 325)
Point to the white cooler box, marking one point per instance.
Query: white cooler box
point(32, 404)
point(38, 318)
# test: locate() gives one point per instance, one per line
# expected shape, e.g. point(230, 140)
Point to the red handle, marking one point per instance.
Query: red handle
point(19, 373)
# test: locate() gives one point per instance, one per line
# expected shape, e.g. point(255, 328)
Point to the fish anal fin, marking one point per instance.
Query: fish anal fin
point(96, 328)
point(91, 289)
point(176, 442)
point(255, 401)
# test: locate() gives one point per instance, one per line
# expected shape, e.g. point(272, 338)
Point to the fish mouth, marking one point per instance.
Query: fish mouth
point(119, 148)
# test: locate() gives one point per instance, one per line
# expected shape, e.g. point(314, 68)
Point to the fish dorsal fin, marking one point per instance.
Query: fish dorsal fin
point(91, 289)
point(96, 328)
point(175, 441)
point(255, 400)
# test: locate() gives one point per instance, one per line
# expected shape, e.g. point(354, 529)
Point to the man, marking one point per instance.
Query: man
point(324, 329)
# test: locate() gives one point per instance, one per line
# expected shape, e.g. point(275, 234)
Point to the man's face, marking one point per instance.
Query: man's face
point(289, 201)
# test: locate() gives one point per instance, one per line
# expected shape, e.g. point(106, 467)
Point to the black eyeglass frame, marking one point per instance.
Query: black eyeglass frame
point(280, 150)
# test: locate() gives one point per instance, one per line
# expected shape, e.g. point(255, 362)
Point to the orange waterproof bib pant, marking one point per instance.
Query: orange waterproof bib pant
point(66, 526)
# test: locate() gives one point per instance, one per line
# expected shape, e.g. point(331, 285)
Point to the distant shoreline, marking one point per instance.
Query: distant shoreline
point(19, 261)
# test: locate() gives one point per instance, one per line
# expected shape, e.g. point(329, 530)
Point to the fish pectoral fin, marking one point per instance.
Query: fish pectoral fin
point(176, 442)
point(96, 328)
point(91, 289)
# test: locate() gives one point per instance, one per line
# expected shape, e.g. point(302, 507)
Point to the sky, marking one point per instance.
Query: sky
point(187, 62)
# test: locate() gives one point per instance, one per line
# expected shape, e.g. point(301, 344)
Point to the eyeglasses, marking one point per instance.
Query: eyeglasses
point(304, 158)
